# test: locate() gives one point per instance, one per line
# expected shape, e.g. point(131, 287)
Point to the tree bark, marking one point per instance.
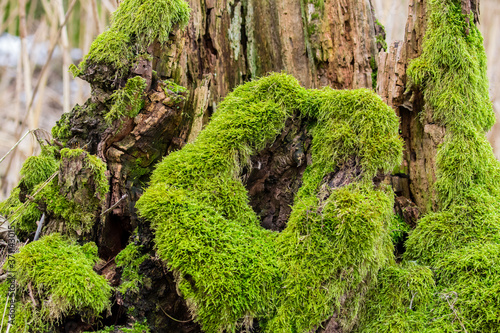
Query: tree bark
point(231, 41)
point(413, 183)
point(228, 42)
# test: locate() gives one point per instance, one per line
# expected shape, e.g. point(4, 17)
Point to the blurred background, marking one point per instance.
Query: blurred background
point(37, 47)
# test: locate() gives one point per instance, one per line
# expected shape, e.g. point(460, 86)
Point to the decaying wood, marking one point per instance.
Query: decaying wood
point(231, 41)
point(422, 136)
point(276, 172)
point(227, 43)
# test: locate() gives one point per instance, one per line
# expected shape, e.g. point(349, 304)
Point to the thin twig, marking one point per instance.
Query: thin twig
point(115, 204)
point(40, 226)
point(412, 297)
point(177, 320)
point(35, 303)
point(32, 197)
point(14, 147)
point(106, 264)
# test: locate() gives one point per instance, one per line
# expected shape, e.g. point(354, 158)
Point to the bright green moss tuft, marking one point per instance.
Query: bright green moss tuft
point(127, 101)
point(399, 300)
point(136, 24)
point(62, 130)
point(23, 219)
point(130, 259)
point(37, 169)
point(174, 87)
point(61, 276)
point(230, 269)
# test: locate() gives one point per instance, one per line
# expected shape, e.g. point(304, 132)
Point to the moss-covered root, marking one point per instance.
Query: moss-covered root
point(59, 275)
point(127, 101)
point(129, 260)
point(231, 270)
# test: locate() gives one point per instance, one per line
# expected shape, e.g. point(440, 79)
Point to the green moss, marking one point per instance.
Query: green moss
point(136, 24)
point(381, 40)
point(230, 269)
point(470, 277)
point(61, 276)
point(452, 74)
point(137, 327)
point(77, 217)
point(34, 172)
point(173, 87)
point(399, 301)
point(37, 169)
point(452, 71)
point(23, 219)
point(399, 229)
point(127, 101)
point(62, 129)
point(374, 68)
point(460, 241)
point(377, 22)
point(130, 258)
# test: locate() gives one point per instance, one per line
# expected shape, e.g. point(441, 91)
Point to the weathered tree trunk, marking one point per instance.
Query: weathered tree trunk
point(229, 42)
point(335, 43)
point(414, 182)
point(226, 43)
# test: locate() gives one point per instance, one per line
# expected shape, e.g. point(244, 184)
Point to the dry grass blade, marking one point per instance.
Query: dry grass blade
point(44, 69)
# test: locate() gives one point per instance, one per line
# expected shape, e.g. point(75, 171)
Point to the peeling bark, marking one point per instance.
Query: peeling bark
point(231, 41)
point(422, 136)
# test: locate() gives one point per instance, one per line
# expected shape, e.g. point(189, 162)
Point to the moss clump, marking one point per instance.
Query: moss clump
point(399, 229)
point(34, 172)
point(61, 276)
point(62, 129)
point(230, 269)
point(136, 24)
point(130, 259)
point(37, 169)
point(173, 87)
point(137, 327)
point(460, 241)
point(127, 101)
point(23, 218)
point(79, 211)
point(400, 300)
